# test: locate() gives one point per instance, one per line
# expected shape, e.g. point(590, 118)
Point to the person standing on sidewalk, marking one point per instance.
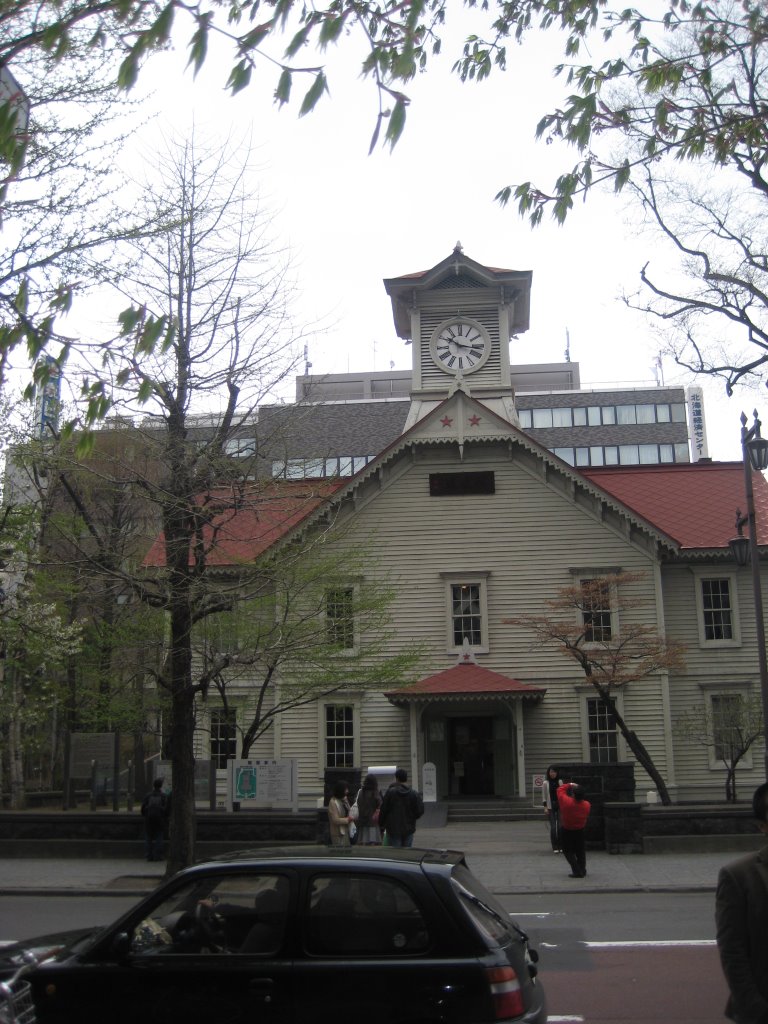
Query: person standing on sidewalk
point(551, 782)
point(400, 809)
point(154, 809)
point(574, 811)
point(741, 915)
point(339, 820)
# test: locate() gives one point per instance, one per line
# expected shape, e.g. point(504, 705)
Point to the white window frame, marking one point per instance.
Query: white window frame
point(585, 575)
point(699, 576)
point(458, 579)
point(346, 702)
point(587, 693)
point(220, 710)
point(724, 689)
point(355, 589)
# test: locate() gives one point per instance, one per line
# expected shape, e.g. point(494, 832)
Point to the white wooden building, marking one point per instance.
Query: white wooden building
point(474, 522)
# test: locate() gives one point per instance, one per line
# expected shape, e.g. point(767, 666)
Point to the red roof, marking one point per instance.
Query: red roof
point(694, 503)
point(465, 680)
point(249, 523)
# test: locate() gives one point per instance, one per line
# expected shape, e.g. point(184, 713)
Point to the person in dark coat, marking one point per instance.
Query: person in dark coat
point(400, 809)
point(741, 916)
point(154, 809)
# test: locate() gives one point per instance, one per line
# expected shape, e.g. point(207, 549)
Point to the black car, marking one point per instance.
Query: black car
point(292, 935)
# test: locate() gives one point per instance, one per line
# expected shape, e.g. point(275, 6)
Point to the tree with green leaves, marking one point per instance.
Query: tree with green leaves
point(648, 99)
point(210, 329)
point(62, 214)
point(311, 623)
point(578, 625)
point(35, 642)
point(728, 724)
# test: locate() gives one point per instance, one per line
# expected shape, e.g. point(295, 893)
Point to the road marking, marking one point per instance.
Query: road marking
point(635, 944)
point(537, 913)
point(564, 1020)
point(638, 943)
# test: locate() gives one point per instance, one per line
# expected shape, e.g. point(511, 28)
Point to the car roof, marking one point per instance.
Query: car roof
point(319, 856)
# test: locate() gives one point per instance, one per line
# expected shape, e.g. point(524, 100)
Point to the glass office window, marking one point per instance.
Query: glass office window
point(542, 417)
point(649, 454)
point(678, 413)
point(609, 414)
point(645, 413)
point(596, 456)
point(582, 456)
point(561, 418)
point(566, 454)
point(681, 452)
point(526, 419)
point(626, 414)
point(579, 417)
point(593, 415)
point(663, 413)
point(611, 455)
point(629, 455)
point(666, 453)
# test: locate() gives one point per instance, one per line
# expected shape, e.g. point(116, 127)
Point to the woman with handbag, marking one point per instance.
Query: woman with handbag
point(339, 818)
point(368, 804)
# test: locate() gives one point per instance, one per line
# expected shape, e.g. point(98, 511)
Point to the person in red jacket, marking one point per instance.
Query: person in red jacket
point(574, 811)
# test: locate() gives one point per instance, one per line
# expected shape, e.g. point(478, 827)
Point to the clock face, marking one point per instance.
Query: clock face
point(460, 346)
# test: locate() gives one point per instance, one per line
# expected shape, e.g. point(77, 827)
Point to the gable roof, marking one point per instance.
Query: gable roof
point(458, 270)
point(693, 502)
point(462, 682)
point(680, 506)
point(244, 525)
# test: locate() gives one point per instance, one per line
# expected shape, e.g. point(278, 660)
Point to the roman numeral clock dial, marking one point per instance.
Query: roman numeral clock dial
point(460, 346)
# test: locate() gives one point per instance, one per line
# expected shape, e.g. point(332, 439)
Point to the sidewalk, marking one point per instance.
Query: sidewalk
point(509, 857)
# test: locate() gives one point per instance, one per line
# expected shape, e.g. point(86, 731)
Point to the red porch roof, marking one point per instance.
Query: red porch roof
point(465, 681)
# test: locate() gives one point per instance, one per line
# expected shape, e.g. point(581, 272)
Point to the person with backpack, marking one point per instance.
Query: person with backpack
point(400, 809)
point(154, 809)
point(368, 802)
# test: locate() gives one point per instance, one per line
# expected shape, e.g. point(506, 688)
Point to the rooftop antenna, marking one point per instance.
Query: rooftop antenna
point(307, 364)
point(658, 371)
point(567, 346)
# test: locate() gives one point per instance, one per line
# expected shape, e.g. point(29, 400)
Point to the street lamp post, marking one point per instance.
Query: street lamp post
point(754, 454)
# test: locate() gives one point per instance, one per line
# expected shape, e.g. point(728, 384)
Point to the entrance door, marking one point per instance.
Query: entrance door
point(471, 756)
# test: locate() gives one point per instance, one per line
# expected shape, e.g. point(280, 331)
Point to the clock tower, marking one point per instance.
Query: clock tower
point(460, 317)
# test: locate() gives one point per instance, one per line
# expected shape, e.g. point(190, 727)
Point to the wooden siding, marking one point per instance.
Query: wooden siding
point(528, 538)
point(707, 666)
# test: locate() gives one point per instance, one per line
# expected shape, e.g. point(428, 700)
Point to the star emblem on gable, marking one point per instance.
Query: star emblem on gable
point(446, 421)
point(474, 421)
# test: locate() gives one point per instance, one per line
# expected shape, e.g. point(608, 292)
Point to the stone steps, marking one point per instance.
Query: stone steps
point(492, 809)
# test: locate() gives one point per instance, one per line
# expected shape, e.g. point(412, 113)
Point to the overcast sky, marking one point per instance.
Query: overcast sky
point(352, 220)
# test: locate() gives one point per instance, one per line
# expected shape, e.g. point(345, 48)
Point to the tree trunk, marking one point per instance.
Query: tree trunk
point(15, 746)
point(182, 732)
point(637, 747)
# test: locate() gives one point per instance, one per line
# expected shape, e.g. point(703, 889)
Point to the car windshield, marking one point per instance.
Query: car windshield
point(483, 908)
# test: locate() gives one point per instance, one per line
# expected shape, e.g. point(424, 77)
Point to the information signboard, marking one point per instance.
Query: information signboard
point(258, 782)
point(87, 747)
